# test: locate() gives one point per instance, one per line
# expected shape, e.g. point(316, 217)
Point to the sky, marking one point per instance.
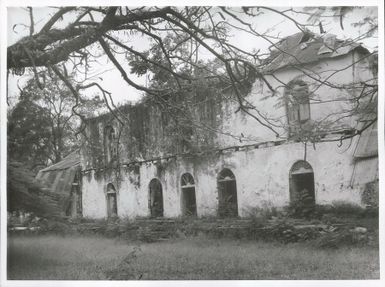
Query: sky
point(110, 78)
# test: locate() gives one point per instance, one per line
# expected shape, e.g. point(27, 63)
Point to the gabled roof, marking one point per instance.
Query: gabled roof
point(303, 48)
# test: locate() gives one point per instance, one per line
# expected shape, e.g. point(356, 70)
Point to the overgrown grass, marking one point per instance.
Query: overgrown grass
point(54, 257)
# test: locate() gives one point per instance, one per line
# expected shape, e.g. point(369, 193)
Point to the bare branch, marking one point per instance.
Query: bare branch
point(123, 72)
point(55, 18)
point(32, 26)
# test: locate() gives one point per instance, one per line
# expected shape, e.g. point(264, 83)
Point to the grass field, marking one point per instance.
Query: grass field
point(93, 258)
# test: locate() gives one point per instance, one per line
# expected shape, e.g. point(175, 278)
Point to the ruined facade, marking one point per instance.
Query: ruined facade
point(213, 160)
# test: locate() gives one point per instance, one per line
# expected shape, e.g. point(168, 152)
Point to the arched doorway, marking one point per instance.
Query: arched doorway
point(301, 179)
point(189, 207)
point(227, 194)
point(156, 198)
point(112, 207)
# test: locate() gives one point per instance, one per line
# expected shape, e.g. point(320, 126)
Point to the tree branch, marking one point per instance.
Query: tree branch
point(59, 14)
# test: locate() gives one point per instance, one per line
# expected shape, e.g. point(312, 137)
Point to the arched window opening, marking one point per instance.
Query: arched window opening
point(112, 207)
point(297, 104)
point(109, 143)
point(227, 194)
point(189, 207)
point(156, 198)
point(302, 191)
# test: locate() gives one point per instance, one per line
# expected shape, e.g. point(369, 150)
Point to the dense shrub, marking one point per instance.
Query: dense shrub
point(55, 226)
point(370, 195)
point(287, 232)
point(344, 209)
point(343, 237)
point(303, 206)
point(335, 212)
point(329, 225)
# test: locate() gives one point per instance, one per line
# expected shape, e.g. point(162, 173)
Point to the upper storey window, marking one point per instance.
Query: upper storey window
point(298, 104)
point(109, 143)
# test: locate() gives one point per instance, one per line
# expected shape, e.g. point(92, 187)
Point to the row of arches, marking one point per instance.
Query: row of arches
point(301, 182)
point(227, 195)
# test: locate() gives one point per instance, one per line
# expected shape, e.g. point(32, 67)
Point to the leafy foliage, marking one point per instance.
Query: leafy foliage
point(184, 47)
point(42, 125)
point(29, 134)
point(40, 131)
point(343, 237)
point(370, 195)
point(25, 194)
point(303, 206)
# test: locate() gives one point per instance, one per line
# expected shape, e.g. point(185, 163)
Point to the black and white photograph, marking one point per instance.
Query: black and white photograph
point(191, 141)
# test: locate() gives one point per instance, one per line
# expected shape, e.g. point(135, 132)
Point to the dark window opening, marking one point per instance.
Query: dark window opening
point(227, 194)
point(189, 207)
point(109, 143)
point(75, 207)
point(156, 198)
point(112, 207)
point(305, 37)
point(302, 191)
point(297, 104)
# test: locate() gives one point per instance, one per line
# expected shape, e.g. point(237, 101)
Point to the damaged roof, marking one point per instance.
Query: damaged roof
point(71, 160)
point(303, 48)
point(59, 177)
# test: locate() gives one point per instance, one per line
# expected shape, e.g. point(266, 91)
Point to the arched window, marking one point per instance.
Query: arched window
point(155, 198)
point(297, 104)
point(227, 194)
point(109, 143)
point(188, 198)
point(301, 179)
point(112, 208)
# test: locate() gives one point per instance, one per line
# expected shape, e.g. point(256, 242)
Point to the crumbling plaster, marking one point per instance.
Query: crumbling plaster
point(262, 177)
point(262, 174)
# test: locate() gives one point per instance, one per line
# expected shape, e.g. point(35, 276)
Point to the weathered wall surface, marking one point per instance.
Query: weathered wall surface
point(327, 101)
point(153, 129)
point(262, 177)
point(262, 174)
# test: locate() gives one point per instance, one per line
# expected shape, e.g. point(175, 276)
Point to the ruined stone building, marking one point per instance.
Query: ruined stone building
point(220, 161)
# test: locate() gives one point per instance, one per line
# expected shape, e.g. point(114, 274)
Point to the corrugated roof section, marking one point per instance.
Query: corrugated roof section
point(73, 159)
point(60, 176)
point(302, 48)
